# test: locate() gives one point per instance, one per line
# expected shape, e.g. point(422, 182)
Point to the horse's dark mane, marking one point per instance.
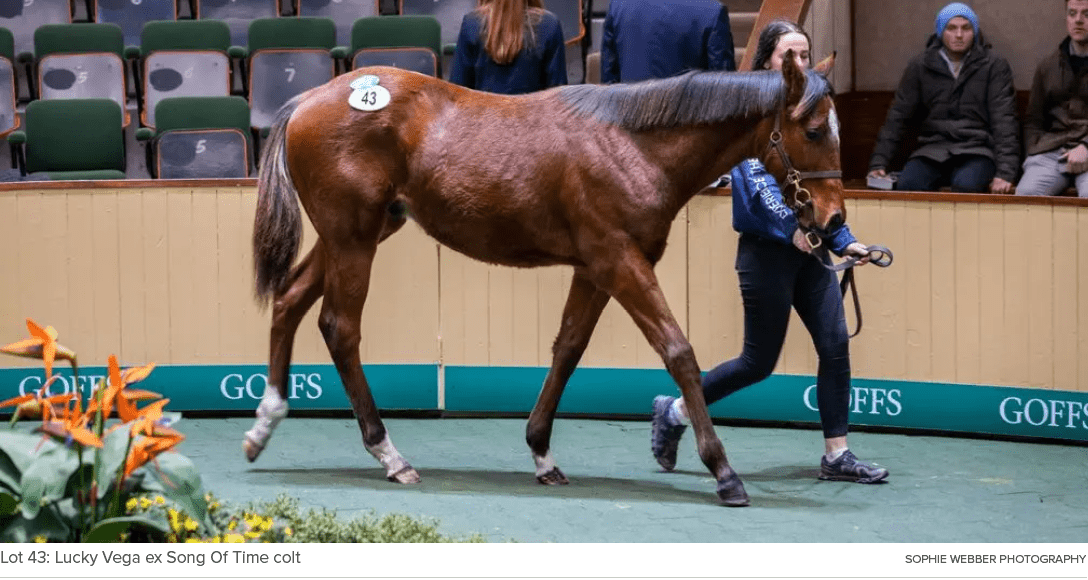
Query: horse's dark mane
point(689, 99)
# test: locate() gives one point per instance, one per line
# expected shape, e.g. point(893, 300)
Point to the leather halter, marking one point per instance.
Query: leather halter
point(802, 198)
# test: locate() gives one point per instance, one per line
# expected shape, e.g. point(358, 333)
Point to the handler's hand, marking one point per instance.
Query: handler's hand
point(859, 251)
point(1077, 158)
point(1001, 186)
point(878, 172)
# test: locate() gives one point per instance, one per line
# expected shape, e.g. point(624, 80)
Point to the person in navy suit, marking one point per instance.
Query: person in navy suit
point(651, 39)
point(510, 47)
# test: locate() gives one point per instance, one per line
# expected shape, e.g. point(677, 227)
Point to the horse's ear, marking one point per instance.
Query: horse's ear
point(794, 77)
point(824, 66)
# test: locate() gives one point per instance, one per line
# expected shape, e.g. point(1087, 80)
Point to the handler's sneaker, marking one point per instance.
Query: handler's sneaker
point(848, 468)
point(664, 433)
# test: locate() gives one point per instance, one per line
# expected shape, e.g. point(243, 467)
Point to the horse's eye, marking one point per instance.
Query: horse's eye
point(814, 134)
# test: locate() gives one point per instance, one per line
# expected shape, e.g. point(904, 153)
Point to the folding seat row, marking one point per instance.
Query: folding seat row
point(194, 59)
point(23, 17)
point(198, 137)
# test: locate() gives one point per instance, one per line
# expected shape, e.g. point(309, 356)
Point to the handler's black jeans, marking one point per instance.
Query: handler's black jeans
point(774, 277)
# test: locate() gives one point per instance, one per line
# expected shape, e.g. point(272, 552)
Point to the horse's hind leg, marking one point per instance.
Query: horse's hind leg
point(347, 280)
point(631, 281)
point(304, 286)
point(584, 305)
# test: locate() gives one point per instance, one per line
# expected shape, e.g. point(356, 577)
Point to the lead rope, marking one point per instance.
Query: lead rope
point(878, 255)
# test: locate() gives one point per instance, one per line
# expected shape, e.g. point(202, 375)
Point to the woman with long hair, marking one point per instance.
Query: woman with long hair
point(510, 47)
point(778, 271)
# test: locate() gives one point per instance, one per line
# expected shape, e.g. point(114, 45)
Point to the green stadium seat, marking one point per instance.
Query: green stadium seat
point(81, 61)
point(199, 137)
point(287, 56)
point(184, 58)
point(71, 139)
point(401, 41)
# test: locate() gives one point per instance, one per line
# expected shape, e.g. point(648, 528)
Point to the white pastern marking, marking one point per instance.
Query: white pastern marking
point(270, 412)
point(388, 456)
point(544, 464)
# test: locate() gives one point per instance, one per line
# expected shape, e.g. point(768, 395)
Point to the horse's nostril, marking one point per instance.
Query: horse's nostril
point(835, 222)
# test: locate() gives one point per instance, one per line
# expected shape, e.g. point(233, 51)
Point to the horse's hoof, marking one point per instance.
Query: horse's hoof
point(406, 475)
point(731, 491)
point(553, 477)
point(252, 449)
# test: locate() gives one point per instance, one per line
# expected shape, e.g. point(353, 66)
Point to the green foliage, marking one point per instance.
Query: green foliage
point(121, 528)
point(53, 496)
point(72, 482)
point(324, 526)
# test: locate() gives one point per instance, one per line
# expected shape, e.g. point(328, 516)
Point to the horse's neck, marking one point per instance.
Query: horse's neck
point(694, 157)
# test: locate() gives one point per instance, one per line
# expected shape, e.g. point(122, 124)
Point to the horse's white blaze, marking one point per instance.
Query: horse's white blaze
point(387, 455)
point(833, 122)
point(544, 464)
point(270, 412)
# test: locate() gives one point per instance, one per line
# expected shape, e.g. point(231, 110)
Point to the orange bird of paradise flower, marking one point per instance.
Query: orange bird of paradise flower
point(147, 448)
point(117, 395)
point(41, 344)
point(32, 405)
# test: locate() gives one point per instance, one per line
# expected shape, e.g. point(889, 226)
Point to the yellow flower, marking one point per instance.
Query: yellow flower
point(234, 539)
point(131, 504)
point(172, 538)
point(145, 503)
point(233, 524)
point(160, 500)
point(40, 539)
point(287, 531)
point(194, 541)
point(252, 535)
point(190, 524)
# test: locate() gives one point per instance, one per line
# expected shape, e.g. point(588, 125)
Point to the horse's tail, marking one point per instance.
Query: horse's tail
point(277, 227)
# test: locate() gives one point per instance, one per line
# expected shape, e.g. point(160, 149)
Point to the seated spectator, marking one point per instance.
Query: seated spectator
point(510, 47)
point(1056, 126)
point(961, 97)
point(652, 39)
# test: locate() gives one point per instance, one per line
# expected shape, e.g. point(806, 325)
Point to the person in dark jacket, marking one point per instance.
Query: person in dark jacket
point(652, 39)
point(962, 97)
point(510, 47)
point(1056, 125)
point(779, 271)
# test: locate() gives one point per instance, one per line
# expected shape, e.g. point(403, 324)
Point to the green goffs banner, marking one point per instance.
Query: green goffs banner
point(972, 409)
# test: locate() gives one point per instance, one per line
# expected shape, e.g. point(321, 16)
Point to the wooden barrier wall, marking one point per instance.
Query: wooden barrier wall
point(981, 292)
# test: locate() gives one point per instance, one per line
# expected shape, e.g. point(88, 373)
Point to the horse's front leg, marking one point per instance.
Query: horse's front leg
point(304, 286)
point(630, 279)
point(585, 302)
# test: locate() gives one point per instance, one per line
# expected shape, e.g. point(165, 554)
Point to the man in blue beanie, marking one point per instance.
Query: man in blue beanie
point(960, 95)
